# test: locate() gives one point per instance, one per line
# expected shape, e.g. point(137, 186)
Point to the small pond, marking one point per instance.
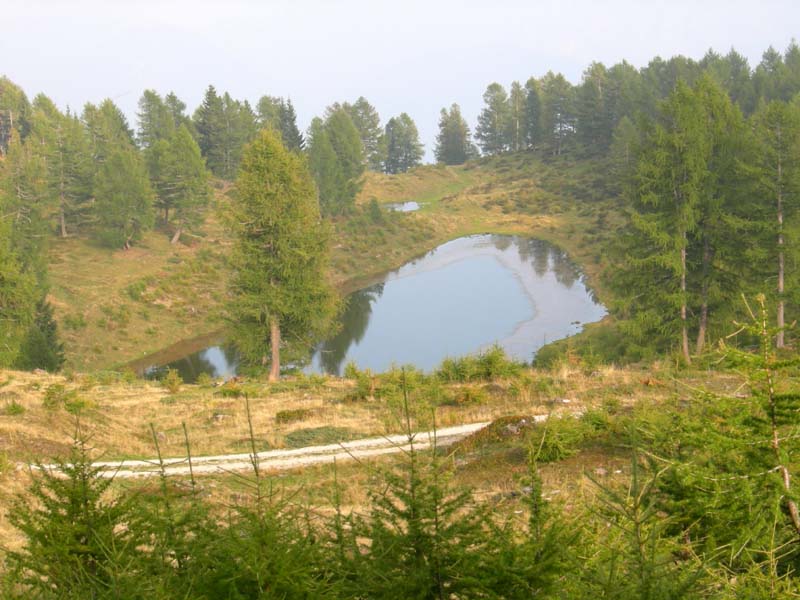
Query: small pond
point(460, 298)
point(403, 206)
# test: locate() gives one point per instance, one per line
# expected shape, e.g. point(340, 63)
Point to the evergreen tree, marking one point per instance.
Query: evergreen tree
point(533, 114)
point(209, 120)
point(493, 122)
point(279, 290)
point(336, 160)
point(517, 117)
point(23, 179)
point(18, 287)
point(774, 173)
point(179, 179)
point(62, 143)
point(14, 112)
point(368, 123)
point(41, 348)
point(108, 129)
point(453, 143)
point(403, 148)
point(594, 121)
point(292, 138)
point(268, 110)
point(156, 121)
point(177, 110)
point(558, 113)
point(672, 178)
point(123, 198)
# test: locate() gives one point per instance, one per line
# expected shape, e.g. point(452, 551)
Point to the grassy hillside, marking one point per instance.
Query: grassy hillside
point(118, 306)
point(38, 417)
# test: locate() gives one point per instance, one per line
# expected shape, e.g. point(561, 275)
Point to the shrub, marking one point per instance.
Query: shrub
point(14, 409)
point(293, 415)
point(172, 381)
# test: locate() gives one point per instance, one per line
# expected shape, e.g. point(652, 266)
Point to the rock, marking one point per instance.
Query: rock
point(600, 471)
point(218, 417)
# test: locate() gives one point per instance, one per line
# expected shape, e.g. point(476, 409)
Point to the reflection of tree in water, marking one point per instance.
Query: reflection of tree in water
point(503, 242)
point(539, 252)
point(354, 322)
point(565, 271)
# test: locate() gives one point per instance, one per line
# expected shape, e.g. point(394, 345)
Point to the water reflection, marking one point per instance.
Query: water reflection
point(353, 322)
point(461, 297)
point(215, 361)
point(465, 295)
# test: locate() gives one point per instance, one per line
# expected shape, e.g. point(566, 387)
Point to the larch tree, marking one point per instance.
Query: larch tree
point(179, 179)
point(533, 114)
point(517, 117)
point(775, 171)
point(453, 142)
point(367, 121)
point(63, 144)
point(123, 198)
point(558, 112)
point(403, 148)
point(279, 289)
point(493, 122)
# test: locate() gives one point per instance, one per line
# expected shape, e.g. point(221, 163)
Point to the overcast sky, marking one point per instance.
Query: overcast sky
point(413, 56)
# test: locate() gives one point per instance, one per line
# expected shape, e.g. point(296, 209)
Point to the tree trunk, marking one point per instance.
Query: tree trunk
point(685, 331)
point(166, 215)
point(703, 327)
point(275, 343)
point(177, 235)
point(780, 341)
point(62, 221)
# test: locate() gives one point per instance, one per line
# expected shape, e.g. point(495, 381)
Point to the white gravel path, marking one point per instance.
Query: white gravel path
point(275, 460)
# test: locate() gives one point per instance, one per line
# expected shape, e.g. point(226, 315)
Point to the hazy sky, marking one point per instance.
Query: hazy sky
point(407, 55)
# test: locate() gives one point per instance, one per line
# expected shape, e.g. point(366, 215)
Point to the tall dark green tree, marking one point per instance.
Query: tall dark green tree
point(453, 142)
point(492, 131)
point(403, 148)
point(279, 288)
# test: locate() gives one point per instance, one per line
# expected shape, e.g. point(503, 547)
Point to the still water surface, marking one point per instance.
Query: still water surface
point(460, 298)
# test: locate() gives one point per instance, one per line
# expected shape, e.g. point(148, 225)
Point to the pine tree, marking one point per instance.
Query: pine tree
point(594, 120)
point(209, 120)
point(492, 131)
point(453, 143)
point(279, 290)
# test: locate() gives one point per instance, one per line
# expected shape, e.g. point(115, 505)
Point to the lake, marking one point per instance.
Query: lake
point(460, 298)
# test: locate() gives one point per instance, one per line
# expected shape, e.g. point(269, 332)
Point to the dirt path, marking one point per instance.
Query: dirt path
point(276, 460)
